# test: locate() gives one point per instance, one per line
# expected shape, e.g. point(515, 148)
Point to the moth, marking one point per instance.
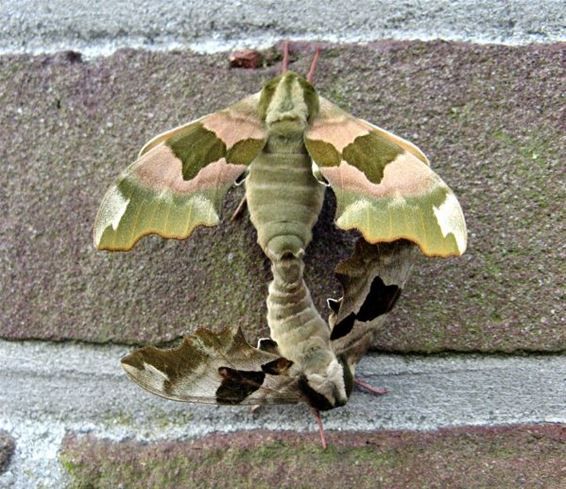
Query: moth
point(288, 144)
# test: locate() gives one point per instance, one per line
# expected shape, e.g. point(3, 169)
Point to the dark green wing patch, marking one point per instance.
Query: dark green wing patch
point(243, 152)
point(196, 147)
point(370, 154)
point(321, 151)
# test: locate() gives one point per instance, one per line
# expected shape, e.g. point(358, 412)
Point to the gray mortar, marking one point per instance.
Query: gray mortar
point(98, 28)
point(47, 389)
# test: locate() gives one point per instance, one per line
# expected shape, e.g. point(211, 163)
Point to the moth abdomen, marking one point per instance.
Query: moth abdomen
point(290, 310)
point(284, 200)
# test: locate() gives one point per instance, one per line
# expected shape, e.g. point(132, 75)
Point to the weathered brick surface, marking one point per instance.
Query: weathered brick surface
point(525, 456)
point(488, 117)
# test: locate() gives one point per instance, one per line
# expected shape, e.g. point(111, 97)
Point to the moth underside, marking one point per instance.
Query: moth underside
point(288, 144)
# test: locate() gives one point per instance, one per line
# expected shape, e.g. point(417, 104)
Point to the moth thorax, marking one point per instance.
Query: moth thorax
point(290, 142)
point(289, 102)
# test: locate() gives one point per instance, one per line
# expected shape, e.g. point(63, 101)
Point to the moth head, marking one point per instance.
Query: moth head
point(288, 103)
point(330, 388)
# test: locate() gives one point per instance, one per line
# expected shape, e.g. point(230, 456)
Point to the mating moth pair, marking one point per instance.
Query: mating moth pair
point(289, 144)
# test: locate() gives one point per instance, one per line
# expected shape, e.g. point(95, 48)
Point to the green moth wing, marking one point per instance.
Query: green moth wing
point(180, 178)
point(383, 184)
point(214, 368)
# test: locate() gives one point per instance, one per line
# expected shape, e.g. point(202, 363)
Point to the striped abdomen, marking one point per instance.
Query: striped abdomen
point(284, 200)
point(292, 317)
point(303, 337)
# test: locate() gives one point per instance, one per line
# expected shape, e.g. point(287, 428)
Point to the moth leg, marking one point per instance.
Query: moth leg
point(240, 209)
point(316, 413)
point(378, 391)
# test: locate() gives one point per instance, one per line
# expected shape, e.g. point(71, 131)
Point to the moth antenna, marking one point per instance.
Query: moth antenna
point(378, 391)
point(316, 413)
point(312, 69)
point(285, 64)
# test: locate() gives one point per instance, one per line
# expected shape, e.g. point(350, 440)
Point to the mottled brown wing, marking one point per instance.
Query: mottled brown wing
point(214, 368)
point(180, 178)
point(372, 280)
point(384, 187)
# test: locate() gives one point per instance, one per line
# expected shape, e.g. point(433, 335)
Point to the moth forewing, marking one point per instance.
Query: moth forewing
point(399, 141)
point(165, 135)
point(383, 184)
point(180, 178)
point(216, 368)
point(235, 123)
point(372, 280)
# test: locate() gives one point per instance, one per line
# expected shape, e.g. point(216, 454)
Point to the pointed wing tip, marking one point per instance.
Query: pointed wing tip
point(129, 369)
point(132, 368)
point(144, 150)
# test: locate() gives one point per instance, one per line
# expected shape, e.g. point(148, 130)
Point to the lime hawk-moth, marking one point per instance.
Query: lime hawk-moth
point(289, 144)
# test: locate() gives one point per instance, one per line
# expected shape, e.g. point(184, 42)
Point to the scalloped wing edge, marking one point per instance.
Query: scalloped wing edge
point(372, 280)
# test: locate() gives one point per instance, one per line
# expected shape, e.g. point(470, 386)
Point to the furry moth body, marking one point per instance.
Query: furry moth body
point(303, 337)
point(289, 142)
